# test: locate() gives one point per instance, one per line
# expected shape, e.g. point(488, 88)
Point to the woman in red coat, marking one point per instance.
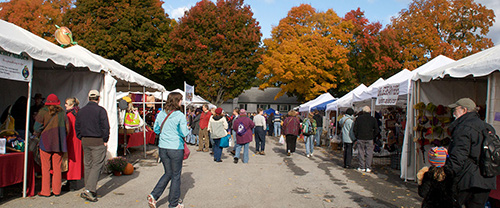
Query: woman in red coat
point(291, 128)
point(75, 152)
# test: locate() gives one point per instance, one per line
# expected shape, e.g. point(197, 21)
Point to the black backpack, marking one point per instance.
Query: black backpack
point(489, 160)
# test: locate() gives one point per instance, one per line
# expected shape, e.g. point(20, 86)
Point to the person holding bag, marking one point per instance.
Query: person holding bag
point(171, 125)
point(217, 126)
point(51, 124)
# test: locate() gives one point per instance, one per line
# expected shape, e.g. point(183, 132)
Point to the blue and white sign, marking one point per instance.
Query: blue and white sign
point(15, 67)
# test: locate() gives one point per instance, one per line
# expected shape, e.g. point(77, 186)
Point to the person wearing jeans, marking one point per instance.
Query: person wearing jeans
point(171, 125)
point(217, 126)
point(172, 165)
point(245, 152)
point(277, 124)
point(243, 127)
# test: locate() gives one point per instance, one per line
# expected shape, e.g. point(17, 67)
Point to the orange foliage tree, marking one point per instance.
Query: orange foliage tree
point(374, 52)
point(36, 16)
point(307, 53)
point(454, 28)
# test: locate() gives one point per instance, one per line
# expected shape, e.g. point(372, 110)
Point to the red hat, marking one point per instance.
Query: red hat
point(52, 100)
point(218, 111)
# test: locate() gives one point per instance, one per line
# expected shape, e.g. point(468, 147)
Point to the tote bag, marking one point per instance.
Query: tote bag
point(224, 141)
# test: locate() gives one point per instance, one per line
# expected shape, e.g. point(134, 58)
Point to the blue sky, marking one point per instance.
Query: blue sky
point(269, 12)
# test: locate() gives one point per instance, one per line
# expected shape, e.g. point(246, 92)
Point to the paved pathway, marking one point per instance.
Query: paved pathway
point(273, 180)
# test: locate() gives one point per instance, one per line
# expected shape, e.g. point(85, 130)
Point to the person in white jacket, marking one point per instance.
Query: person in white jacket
point(217, 126)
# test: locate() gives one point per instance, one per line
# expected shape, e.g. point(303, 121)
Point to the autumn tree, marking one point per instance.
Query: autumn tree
point(454, 28)
point(217, 45)
point(37, 16)
point(307, 53)
point(373, 51)
point(132, 32)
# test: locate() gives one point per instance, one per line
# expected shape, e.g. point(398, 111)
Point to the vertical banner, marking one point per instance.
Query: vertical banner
point(388, 94)
point(189, 92)
point(15, 67)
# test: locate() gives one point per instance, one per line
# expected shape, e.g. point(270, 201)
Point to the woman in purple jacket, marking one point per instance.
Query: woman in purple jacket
point(243, 127)
point(291, 128)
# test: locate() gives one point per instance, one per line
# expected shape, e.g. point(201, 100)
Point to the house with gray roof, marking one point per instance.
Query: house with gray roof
point(254, 98)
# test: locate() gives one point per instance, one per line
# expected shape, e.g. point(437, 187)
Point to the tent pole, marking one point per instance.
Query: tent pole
point(144, 117)
point(488, 97)
point(26, 139)
point(417, 100)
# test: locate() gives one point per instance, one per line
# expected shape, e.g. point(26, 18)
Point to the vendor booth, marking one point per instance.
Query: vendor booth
point(475, 77)
point(306, 107)
point(71, 72)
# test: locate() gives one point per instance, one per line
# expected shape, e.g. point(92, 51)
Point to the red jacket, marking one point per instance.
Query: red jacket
point(204, 118)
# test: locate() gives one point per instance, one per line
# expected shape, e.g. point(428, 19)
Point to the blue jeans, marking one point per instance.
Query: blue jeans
point(277, 129)
point(309, 144)
point(190, 137)
point(245, 152)
point(217, 150)
point(172, 164)
point(319, 131)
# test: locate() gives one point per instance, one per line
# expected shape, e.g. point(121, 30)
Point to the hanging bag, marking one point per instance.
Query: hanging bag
point(224, 141)
point(186, 149)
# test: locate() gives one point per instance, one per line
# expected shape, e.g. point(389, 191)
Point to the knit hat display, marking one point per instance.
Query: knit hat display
point(52, 100)
point(437, 156)
point(218, 111)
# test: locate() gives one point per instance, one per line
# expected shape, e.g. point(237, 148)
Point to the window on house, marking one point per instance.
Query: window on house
point(283, 108)
point(243, 106)
point(264, 107)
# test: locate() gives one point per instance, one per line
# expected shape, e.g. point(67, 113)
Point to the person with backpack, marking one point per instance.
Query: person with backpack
point(309, 130)
point(464, 155)
point(291, 128)
point(348, 137)
point(243, 127)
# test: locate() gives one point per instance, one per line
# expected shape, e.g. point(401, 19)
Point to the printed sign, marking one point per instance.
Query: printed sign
point(388, 94)
point(189, 90)
point(15, 67)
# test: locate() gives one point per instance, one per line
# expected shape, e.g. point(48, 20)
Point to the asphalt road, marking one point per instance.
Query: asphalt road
point(273, 180)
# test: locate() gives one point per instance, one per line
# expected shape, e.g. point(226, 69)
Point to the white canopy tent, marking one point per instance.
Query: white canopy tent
point(346, 100)
point(306, 107)
point(474, 76)
point(71, 72)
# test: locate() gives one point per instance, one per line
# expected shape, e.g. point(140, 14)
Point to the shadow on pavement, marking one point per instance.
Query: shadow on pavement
point(187, 183)
point(115, 182)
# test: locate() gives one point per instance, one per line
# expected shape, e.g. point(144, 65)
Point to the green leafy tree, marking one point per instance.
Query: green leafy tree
point(307, 53)
point(36, 16)
point(217, 45)
point(429, 28)
point(132, 32)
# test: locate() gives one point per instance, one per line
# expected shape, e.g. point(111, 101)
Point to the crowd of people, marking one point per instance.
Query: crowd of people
point(452, 180)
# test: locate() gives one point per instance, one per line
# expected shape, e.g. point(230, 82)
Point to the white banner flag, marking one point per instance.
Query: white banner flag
point(15, 67)
point(189, 90)
point(388, 95)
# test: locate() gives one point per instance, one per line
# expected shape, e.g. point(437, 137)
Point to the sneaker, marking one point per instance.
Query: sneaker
point(368, 170)
point(87, 195)
point(262, 153)
point(179, 205)
point(311, 154)
point(288, 154)
point(235, 160)
point(361, 169)
point(308, 155)
point(151, 201)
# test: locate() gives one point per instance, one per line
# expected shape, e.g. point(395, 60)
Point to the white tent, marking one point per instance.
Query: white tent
point(370, 92)
point(306, 107)
point(346, 100)
point(67, 73)
point(474, 76)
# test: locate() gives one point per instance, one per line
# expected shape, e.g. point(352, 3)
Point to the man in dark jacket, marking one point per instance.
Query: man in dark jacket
point(365, 129)
point(92, 127)
point(465, 148)
point(319, 127)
